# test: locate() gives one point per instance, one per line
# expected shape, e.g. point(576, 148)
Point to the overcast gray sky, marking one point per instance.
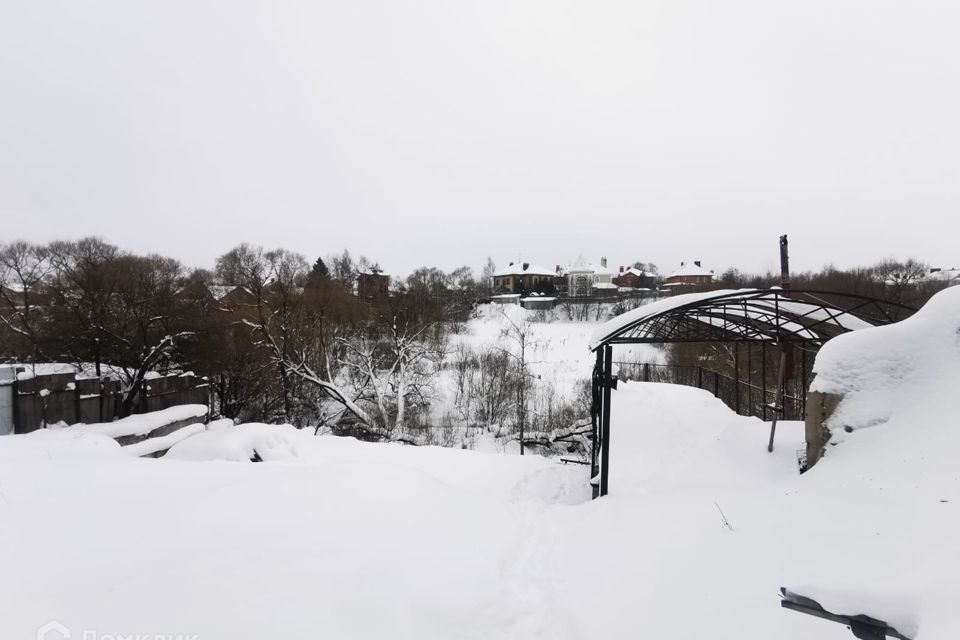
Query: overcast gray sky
point(441, 132)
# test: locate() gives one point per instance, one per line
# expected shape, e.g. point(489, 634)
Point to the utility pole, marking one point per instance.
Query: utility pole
point(778, 407)
point(784, 263)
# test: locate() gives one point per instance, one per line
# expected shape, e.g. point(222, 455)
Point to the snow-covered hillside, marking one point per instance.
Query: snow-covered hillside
point(336, 538)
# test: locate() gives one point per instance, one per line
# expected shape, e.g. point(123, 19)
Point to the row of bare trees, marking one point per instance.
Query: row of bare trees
point(279, 339)
point(901, 281)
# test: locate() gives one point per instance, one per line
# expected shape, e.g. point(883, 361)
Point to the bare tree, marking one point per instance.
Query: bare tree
point(107, 305)
point(899, 276)
point(289, 321)
point(520, 333)
point(24, 272)
point(392, 369)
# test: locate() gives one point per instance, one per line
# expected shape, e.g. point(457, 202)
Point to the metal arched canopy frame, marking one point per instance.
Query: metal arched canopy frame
point(803, 316)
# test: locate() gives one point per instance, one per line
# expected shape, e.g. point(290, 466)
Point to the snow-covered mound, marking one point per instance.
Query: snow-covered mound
point(142, 424)
point(251, 442)
point(895, 368)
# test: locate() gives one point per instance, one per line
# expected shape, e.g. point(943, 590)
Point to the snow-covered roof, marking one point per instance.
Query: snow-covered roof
point(604, 285)
point(595, 269)
point(640, 273)
point(523, 269)
point(220, 291)
point(948, 275)
point(689, 269)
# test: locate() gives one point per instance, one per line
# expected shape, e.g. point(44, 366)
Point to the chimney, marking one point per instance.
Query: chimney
point(558, 268)
point(603, 262)
point(510, 265)
point(526, 265)
point(621, 268)
point(696, 262)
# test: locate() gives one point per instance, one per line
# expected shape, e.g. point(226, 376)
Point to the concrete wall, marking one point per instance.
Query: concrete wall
point(820, 406)
point(7, 377)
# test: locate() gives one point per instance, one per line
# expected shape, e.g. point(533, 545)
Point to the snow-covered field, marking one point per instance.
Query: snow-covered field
point(557, 355)
point(559, 352)
point(330, 537)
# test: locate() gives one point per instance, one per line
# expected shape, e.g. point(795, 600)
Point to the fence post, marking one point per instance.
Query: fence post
point(77, 414)
point(699, 377)
point(716, 384)
point(763, 375)
point(646, 372)
point(736, 377)
point(803, 384)
point(605, 420)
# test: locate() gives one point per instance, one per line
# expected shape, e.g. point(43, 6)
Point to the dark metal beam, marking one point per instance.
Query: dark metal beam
point(605, 421)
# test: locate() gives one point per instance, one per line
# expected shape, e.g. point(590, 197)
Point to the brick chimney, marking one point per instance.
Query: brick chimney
point(621, 268)
point(696, 262)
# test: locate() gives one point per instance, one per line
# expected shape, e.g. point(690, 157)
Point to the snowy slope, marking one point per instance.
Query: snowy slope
point(349, 540)
point(335, 538)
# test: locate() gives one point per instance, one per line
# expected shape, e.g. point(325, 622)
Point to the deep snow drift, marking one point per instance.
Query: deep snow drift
point(335, 538)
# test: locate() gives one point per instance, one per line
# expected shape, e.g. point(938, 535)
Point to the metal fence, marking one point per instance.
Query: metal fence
point(741, 396)
point(34, 402)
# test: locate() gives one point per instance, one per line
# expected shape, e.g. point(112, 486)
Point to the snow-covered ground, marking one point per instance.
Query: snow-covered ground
point(330, 537)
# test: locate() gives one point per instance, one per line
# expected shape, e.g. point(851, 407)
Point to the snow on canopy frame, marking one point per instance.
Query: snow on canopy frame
point(802, 317)
point(765, 315)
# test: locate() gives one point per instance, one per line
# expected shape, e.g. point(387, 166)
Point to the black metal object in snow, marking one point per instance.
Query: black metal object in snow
point(603, 384)
point(788, 319)
point(862, 626)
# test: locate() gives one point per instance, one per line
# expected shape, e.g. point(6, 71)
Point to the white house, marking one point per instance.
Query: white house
point(589, 279)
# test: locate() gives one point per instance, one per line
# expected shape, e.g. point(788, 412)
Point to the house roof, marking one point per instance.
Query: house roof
point(637, 272)
point(218, 291)
point(948, 275)
point(523, 269)
point(595, 269)
point(689, 269)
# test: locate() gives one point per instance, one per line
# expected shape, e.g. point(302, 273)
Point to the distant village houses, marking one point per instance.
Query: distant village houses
point(373, 283)
point(950, 276)
point(689, 274)
point(523, 277)
point(634, 278)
